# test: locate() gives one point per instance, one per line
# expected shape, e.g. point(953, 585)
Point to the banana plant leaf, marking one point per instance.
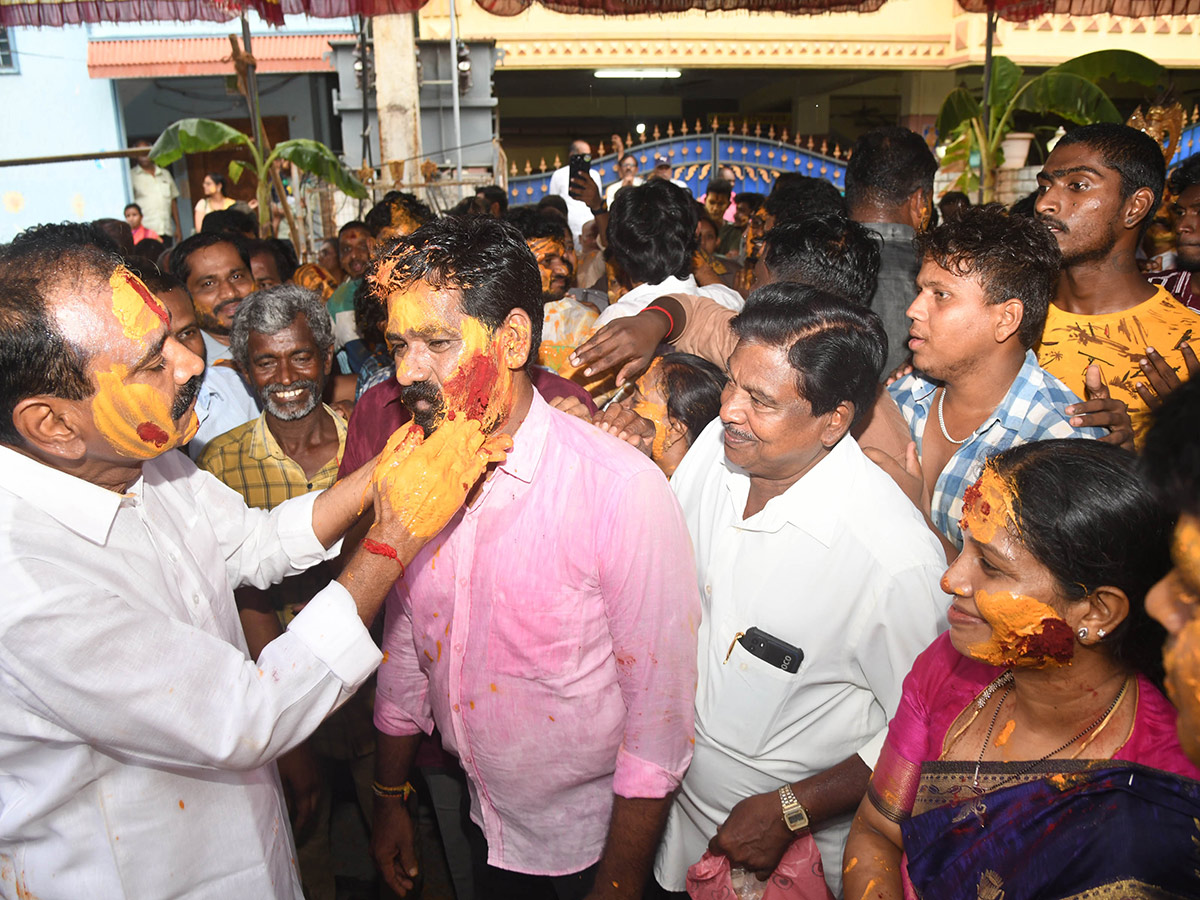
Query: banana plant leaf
point(1006, 78)
point(1074, 98)
point(958, 107)
point(315, 157)
point(194, 136)
point(1121, 64)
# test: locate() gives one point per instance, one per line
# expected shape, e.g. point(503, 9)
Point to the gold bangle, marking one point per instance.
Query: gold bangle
point(404, 791)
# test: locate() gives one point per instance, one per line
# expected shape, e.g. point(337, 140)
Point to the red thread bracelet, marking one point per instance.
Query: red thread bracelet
point(670, 319)
point(381, 549)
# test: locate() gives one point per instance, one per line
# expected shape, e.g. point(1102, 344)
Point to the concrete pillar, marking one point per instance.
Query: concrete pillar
point(397, 97)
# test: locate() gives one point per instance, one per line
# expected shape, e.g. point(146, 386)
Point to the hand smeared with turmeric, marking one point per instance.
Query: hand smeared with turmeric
point(420, 483)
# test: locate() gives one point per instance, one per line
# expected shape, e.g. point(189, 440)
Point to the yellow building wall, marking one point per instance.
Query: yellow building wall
point(903, 34)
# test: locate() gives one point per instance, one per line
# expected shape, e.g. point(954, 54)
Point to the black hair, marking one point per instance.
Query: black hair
point(35, 358)
point(281, 251)
point(1171, 455)
point(693, 387)
point(232, 220)
point(952, 204)
point(66, 233)
point(180, 267)
point(494, 194)
point(1026, 207)
point(719, 186)
point(827, 252)
point(794, 195)
point(219, 180)
point(485, 259)
point(625, 156)
point(889, 165)
point(370, 315)
point(752, 199)
point(533, 224)
point(553, 201)
point(1087, 514)
point(1186, 175)
point(154, 278)
point(652, 231)
point(119, 231)
point(380, 215)
point(147, 248)
point(129, 206)
point(1011, 256)
point(352, 225)
point(1133, 154)
point(837, 348)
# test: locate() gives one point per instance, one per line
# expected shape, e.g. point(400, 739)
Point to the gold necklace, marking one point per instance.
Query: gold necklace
point(979, 807)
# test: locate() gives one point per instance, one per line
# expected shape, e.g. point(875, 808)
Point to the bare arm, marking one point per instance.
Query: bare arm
point(755, 836)
point(633, 834)
point(392, 835)
point(871, 865)
point(175, 218)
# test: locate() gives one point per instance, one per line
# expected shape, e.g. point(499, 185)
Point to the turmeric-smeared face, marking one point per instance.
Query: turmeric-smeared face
point(1175, 602)
point(146, 381)
point(649, 400)
point(555, 269)
point(402, 224)
point(1006, 610)
point(449, 363)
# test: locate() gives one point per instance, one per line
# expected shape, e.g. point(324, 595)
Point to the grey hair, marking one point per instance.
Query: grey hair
point(272, 310)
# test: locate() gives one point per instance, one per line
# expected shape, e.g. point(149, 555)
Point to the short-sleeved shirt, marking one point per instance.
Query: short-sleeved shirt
point(1032, 410)
point(250, 461)
point(153, 192)
point(1117, 342)
point(1179, 283)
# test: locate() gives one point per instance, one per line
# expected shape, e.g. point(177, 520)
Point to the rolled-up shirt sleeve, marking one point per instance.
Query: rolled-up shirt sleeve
point(402, 690)
point(647, 578)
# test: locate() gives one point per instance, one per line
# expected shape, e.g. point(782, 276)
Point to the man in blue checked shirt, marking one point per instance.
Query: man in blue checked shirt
point(985, 282)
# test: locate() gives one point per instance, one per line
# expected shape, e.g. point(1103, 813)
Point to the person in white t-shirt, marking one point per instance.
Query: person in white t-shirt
point(578, 212)
point(652, 239)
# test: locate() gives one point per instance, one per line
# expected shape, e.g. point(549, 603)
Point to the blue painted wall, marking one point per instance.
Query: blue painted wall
point(52, 108)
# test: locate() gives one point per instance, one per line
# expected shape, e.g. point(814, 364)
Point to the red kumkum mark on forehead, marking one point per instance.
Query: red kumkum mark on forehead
point(149, 299)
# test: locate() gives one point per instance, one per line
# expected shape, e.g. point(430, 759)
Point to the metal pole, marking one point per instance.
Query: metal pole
point(987, 90)
point(454, 90)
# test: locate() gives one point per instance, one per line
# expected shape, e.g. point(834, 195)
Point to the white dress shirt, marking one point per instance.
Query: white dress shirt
point(138, 737)
point(643, 295)
point(578, 213)
point(840, 565)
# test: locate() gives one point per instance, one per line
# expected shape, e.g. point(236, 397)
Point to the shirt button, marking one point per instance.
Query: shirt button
point(458, 648)
point(196, 599)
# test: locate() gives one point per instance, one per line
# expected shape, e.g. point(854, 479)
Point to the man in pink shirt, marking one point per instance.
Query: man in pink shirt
point(550, 630)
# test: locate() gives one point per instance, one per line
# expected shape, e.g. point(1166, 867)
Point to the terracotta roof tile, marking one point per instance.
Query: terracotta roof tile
point(159, 58)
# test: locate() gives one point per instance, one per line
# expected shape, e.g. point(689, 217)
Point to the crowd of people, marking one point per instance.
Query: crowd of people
point(817, 544)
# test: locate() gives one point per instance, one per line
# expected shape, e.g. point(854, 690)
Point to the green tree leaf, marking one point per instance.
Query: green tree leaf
point(315, 157)
point(194, 136)
point(1070, 96)
point(236, 167)
point(1006, 76)
point(958, 107)
point(1123, 65)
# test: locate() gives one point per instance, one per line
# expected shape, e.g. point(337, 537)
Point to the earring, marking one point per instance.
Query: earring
point(1082, 633)
point(1101, 634)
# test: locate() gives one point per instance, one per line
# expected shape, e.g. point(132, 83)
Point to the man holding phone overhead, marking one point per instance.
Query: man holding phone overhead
point(818, 585)
point(579, 213)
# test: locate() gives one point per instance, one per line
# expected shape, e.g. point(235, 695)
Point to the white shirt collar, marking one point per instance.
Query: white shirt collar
point(85, 508)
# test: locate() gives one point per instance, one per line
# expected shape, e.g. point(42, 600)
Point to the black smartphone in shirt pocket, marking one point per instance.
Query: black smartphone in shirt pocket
point(772, 650)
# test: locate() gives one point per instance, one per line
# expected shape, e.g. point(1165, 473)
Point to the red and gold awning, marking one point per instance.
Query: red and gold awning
point(1023, 10)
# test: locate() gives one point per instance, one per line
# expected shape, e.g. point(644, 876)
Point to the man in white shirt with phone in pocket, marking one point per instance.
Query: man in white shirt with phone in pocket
point(819, 586)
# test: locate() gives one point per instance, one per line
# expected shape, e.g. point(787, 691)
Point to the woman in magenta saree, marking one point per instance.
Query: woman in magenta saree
point(1033, 755)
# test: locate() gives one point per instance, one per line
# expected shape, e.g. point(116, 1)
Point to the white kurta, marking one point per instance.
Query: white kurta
point(136, 737)
point(842, 566)
point(643, 295)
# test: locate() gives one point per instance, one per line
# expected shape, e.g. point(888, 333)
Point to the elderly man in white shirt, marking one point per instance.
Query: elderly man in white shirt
point(652, 238)
point(138, 735)
point(819, 586)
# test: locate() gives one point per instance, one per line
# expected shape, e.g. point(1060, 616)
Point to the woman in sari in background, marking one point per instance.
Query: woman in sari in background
point(1032, 755)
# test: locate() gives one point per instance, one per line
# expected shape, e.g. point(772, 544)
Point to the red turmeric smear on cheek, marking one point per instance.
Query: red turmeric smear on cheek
point(470, 388)
point(152, 434)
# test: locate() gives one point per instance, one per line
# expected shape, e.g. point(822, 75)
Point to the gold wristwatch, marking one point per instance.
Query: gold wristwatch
point(795, 816)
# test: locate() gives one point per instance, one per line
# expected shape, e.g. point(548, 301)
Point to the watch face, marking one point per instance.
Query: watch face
point(796, 819)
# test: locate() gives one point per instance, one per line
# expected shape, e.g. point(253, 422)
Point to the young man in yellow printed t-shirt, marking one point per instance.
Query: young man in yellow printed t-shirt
point(1099, 188)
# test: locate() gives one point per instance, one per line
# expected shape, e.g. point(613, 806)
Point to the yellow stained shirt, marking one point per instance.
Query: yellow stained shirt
point(1117, 342)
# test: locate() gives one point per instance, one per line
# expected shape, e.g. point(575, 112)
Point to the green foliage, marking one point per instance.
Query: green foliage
point(1068, 91)
point(194, 136)
point(315, 157)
